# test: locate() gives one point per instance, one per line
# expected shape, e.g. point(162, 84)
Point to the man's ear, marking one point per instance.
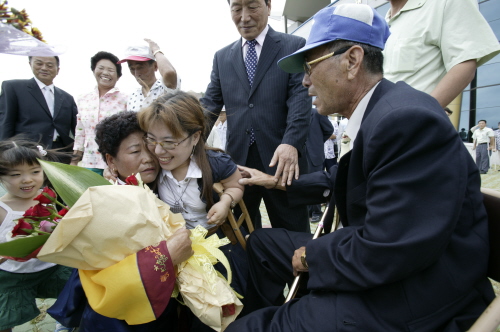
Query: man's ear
point(354, 58)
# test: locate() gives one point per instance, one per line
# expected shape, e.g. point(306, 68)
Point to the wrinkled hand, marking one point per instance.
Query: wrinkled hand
point(297, 261)
point(110, 174)
point(287, 158)
point(218, 213)
point(179, 246)
point(152, 45)
point(251, 176)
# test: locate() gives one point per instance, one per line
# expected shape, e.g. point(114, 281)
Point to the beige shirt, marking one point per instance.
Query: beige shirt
point(429, 37)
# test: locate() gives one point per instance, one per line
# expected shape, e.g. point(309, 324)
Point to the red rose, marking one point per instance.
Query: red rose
point(63, 212)
point(228, 310)
point(46, 197)
point(132, 180)
point(29, 212)
point(41, 211)
point(18, 229)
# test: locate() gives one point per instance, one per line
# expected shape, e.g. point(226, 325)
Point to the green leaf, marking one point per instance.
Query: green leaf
point(22, 247)
point(70, 182)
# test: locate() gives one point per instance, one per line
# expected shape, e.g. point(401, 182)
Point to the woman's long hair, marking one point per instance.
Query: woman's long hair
point(182, 113)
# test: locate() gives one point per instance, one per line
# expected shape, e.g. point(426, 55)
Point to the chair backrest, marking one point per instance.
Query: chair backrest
point(236, 224)
point(492, 204)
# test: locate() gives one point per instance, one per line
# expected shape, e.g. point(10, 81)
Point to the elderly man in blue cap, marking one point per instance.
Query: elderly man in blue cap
point(412, 253)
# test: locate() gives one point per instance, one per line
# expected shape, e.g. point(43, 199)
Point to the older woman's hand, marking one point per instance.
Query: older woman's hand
point(179, 246)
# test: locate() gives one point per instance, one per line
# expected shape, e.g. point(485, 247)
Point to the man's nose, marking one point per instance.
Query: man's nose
point(245, 15)
point(306, 81)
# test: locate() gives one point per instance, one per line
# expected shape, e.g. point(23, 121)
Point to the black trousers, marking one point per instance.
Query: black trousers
point(281, 214)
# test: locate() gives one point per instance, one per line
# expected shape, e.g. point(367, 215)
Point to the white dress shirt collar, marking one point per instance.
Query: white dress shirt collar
point(357, 116)
point(260, 41)
point(43, 85)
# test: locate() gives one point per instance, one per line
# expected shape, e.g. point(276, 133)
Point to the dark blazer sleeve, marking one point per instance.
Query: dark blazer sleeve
point(213, 100)
point(414, 205)
point(310, 188)
point(74, 113)
point(299, 106)
point(8, 110)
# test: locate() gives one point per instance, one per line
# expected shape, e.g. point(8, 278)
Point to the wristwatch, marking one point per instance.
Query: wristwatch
point(303, 259)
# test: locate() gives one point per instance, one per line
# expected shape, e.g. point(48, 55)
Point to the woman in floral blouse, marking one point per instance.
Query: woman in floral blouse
point(103, 101)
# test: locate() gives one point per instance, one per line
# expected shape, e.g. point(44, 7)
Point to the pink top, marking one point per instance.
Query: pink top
point(91, 110)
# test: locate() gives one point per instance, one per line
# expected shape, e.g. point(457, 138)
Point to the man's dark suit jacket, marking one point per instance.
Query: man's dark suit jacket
point(413, 253)
point(23, 109)
point(277, 106)
point(320, 130)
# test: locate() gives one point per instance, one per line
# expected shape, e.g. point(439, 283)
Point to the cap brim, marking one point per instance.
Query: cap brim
point(134, 58)
point(294, 63)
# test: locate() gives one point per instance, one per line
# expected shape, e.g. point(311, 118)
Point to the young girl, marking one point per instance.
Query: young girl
point(21, 282)
point(175, 128)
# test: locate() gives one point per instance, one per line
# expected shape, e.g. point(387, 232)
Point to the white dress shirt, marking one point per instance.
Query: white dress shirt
point(50, 100)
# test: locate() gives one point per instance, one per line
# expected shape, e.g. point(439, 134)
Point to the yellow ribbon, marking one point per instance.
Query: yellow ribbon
point(206, 254)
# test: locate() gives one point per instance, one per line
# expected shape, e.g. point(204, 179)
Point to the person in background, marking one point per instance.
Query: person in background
point(103, 101)
point(217, 137)
point(463, 134)
point(427, 48)
point(143, 62)
point(484, 142)
point(37, 108)
point(330, 146)
point(342, 126)
point(267, 110)
point(497, 141)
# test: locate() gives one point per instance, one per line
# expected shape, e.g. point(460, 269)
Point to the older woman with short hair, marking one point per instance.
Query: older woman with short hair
point(105, 100)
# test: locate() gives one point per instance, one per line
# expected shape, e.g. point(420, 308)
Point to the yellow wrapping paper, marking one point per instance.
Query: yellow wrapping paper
point(203, 290)
point(107, 224)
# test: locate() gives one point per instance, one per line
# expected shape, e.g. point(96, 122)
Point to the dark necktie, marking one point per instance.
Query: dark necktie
point(251, 66)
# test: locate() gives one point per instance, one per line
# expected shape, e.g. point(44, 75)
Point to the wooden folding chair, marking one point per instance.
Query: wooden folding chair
point(235, 225)
point(490, 319)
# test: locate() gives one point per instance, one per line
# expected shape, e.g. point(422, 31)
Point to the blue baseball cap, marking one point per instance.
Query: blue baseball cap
point(353, 22)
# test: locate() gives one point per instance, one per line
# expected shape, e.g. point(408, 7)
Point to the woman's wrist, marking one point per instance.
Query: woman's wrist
point(232, 202)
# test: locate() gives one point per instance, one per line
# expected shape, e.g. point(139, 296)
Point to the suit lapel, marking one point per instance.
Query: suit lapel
point(239, 64)
point(267, 57)
point(58, 101)
point(37, 94)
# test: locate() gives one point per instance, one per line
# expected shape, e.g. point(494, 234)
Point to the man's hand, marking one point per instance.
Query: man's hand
point(287, 158)
point(152, 45)
point(179, 246)
point(251, 176)
point(297, 261)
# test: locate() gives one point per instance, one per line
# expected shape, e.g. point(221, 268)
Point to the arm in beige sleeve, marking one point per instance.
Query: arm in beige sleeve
point(454, 82)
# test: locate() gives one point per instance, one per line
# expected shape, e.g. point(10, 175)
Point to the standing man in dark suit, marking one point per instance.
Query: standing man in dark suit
point(412, 255)
point(267, 109)
point(37, 108)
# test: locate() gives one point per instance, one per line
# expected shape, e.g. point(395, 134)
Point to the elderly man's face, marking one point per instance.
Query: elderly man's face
point(250, 16)
point(143, 71)
point(326, 82)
